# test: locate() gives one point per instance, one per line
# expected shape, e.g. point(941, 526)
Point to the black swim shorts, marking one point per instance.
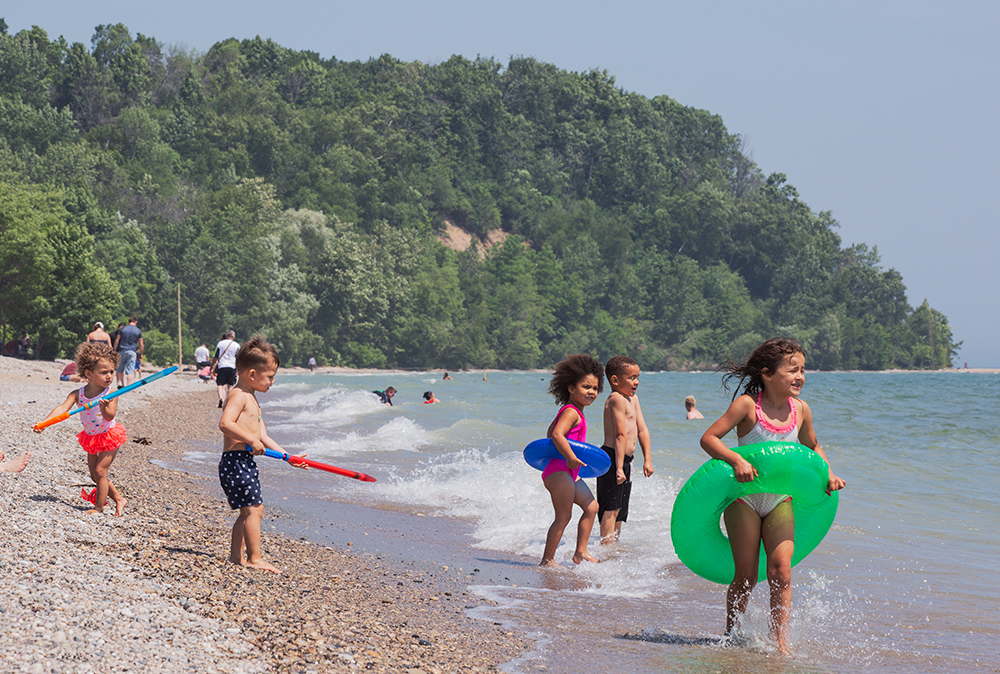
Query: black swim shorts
point(239, 478)
point(225, 376)
point(610, 494)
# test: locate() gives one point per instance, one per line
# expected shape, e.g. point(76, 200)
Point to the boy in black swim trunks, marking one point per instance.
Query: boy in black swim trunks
point(241, 425)
point(623, 426)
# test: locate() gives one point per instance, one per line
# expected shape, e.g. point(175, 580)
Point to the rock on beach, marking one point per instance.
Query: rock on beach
point(153, 591)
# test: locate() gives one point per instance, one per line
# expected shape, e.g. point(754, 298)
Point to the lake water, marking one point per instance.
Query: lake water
point(906, 580)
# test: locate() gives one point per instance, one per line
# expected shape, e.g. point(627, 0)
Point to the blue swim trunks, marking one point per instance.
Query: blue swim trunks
point(239, 478)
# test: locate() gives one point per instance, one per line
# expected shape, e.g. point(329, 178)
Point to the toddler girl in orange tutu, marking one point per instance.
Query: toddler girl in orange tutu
point(101, 435)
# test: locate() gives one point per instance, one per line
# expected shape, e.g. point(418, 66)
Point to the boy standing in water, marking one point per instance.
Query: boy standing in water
point(623, 426)
point(241, 425)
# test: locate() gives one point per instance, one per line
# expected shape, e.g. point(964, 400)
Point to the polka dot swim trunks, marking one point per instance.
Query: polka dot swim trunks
point(240, 482)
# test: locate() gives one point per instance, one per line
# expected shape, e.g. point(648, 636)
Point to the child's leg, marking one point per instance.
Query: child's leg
point(236, 541)
point(609, 527)
point(251, 516)
point(743, 525)
point(562, 491)
point(778, 534)
point(99, 464)
point(583, 498)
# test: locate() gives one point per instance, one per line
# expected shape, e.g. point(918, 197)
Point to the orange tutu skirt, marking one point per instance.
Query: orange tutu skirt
point(103, 442)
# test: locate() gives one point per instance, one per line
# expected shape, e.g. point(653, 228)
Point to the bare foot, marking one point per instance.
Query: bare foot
point(261, 564)
point(14, 465)
point(583, 556)
point(120, 507)
point(548, 563)
point(93, 511)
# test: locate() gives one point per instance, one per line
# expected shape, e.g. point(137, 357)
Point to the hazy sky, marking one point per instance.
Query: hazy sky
point(883, 112)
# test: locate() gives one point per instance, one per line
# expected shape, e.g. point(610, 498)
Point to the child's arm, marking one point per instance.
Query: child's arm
point(72, 400)
point(109, 408)
point(567, 420)
point(644, 440)
point(807, 436)
point(229, 423)
point(266, 439)
point(619, 424)
point(712, 442)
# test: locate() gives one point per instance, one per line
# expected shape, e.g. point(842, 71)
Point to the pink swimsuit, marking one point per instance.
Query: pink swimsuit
point(765, 431)
point(578, 433)
point(98, 434)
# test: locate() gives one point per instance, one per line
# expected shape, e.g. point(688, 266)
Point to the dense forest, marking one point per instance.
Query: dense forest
point(306, 198)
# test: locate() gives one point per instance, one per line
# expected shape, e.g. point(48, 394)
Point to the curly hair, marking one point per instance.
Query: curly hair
point(570, 371)
point(767, 356)
point(88, 353)
point(256, 352)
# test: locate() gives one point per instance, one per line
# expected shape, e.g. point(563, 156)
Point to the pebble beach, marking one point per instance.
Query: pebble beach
point(153, 590)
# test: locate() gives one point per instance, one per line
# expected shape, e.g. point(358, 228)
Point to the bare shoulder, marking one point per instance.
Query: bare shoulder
point(804, 407)
point(236, 401)
point(745, 406)
point(617, 401)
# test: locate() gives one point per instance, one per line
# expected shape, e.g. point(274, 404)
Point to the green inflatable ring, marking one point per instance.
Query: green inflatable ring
point(782, 468)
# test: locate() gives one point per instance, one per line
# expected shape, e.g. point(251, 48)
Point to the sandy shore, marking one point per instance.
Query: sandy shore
point(153, 591)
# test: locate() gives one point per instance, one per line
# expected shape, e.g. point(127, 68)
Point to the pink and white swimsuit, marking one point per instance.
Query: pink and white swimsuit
point(765, 431)
point(98, 434)
point(578, 433)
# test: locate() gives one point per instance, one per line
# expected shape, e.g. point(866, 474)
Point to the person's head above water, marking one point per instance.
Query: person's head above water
point(689, 403)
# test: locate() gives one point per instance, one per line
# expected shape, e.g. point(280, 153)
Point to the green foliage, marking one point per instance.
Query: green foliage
point(300, 197)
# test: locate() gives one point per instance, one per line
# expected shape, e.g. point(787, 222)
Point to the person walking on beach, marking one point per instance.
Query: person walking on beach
point(99, 335)
point(623, 427)
point(224, 365)
point(312, 363)
point(242, 425)
point(769, 409)
point(129, 346)
point(576, 383)
point(101, 436)
point(692, 411)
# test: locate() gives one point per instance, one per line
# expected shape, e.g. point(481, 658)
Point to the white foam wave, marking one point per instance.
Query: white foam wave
point(399, 435)
point(512, 511)
point(329, 407)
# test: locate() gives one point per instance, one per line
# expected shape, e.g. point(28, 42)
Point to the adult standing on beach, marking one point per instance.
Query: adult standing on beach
point(224, 365)
point(114, 335)
point(98, 334)
point(202, 357)
point(129, 345)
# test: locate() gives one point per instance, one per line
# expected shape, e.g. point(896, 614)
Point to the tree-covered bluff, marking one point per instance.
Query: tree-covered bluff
point(303, 197)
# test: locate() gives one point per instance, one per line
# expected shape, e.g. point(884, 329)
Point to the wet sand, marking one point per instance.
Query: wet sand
point(154, 591)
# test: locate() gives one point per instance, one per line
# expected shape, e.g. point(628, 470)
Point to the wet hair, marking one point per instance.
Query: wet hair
point(689, 402)
point(428, 395)
point(570, 371)
point(391, 390)
point(88, 353)
point(767, 356)
point(257, 352)
point(616, 366)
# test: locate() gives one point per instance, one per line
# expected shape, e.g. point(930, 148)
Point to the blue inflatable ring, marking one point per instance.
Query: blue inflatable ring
point(540, 452)
point(782, 468)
